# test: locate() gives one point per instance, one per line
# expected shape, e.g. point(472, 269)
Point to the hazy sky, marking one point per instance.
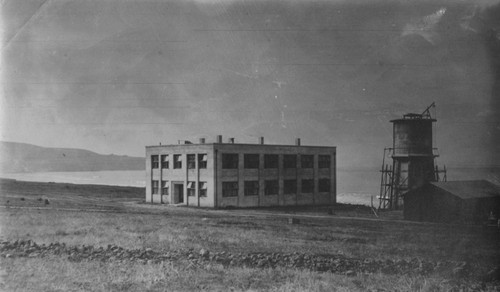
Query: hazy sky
point(113, 76)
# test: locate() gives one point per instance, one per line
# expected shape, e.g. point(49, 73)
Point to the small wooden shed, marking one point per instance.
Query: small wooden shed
point(453, 202)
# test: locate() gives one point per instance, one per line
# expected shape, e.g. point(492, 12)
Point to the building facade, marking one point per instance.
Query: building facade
point(240, 175)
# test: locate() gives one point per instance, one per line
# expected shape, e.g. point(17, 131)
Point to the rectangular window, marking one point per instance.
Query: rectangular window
point(230, 189)
point(324, 185)
point(229, 161)
point(307, 161)
point(202, 189)
point(164, 161)
point(290, 186)
point(202, 161)
point(164, 188)
point(324, 161)
point(177, 161)
point(270, 161)
point(251, 160)
point(289, 161)
point(252, 188)
point(191, 162)
point(307, 185)
point(154, 187)
point(155, 163)
point(271, 187)
point(191, 189)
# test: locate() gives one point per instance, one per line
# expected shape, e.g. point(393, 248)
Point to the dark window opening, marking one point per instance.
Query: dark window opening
point(202, 161)
point(271, 187)
point(252, 188)
point(177, 161)
point(270, 161)
point(229, 161)
point(324, 161)
point(164, 161)
point(154, 187)
point(202, 189)
point(251, 160)
point(323, 185)
point(155, 163)
point(230, 189)
point(307, 185)
point(290, 186)
point(289, 161)
point(307, 161)
point(191, 162)
point(191, 189)
point(164, 188)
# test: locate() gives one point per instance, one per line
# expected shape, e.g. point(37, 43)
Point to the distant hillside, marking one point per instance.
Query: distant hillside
point(20, 157)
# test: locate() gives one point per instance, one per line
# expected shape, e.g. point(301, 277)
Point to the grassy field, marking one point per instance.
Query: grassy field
point(99, 216)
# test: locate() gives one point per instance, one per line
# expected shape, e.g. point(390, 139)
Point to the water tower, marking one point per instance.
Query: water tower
point(412, 156)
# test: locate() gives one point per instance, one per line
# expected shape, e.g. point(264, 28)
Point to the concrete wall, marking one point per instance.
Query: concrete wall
point(182, 175)
point(280, 174)
point(214, 175)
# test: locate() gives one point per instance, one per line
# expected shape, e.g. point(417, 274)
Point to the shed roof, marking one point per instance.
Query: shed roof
point(470, 189)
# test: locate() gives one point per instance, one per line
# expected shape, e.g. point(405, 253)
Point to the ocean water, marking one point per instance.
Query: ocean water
point(133, 178)
point(353, 186)
point(358, 186)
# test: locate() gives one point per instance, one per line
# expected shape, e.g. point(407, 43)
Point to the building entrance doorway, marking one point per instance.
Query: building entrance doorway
point(178, 193)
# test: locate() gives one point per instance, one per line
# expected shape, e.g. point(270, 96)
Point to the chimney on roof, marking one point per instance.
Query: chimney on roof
point(202, 140)
point(297, 141)
point(219, 139)
point(230, 140)
point(261, 140)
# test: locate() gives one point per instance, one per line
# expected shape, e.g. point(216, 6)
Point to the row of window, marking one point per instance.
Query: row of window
point(191, 188)
point(177, 161)
point(251, 188)
point(271, 187)
point(250, 161)
point(231, 161)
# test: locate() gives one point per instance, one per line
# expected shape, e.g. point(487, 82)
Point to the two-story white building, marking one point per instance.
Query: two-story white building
point(240, 175)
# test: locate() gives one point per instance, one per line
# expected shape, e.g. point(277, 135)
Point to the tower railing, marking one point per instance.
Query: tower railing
point(414, 151)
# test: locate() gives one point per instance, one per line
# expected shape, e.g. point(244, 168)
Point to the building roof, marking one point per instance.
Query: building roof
point(240, 144)
point(470, 189)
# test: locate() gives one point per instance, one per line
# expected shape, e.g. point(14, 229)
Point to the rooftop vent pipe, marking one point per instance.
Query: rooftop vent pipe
point(219, 139)
point(230, 140)
point(297, 141)
point(261, 140)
